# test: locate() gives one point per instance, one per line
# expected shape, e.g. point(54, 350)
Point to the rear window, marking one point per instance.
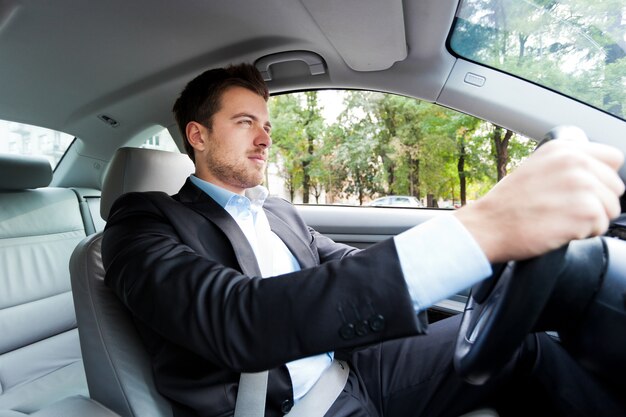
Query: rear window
point(23, 139)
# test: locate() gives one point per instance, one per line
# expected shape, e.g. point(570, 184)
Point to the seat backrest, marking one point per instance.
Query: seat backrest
point(40, 358)
point(117, 365)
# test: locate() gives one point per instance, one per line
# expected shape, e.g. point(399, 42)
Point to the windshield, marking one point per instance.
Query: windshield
point(576, 47)
point(23, 139)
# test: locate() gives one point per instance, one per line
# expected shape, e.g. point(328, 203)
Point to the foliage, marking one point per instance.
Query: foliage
point(383, 144)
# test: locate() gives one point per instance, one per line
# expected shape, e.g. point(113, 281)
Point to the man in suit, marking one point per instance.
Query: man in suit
point(222, 280)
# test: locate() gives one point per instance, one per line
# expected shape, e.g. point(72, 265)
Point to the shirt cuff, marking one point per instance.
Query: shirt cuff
point(440, 258)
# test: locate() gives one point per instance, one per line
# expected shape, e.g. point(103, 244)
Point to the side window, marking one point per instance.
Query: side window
point(370, 148)
point(160, 139)
point(22, 139)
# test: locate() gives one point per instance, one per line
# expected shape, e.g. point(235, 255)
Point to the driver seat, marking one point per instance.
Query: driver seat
point(116, 363)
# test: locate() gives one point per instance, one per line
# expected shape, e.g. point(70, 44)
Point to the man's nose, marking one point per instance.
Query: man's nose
point(263, 138)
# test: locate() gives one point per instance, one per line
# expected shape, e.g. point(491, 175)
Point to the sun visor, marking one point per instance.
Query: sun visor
point(372, 38)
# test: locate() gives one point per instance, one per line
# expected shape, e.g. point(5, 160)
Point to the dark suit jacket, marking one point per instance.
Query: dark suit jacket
point(191, 281)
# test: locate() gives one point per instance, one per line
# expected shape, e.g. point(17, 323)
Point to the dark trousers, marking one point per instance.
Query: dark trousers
point(415, 377)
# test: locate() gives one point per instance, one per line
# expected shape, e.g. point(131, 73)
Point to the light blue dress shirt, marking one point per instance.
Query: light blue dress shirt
point(449, 261)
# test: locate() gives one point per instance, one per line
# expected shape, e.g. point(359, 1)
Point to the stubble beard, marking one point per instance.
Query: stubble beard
point(239, 174)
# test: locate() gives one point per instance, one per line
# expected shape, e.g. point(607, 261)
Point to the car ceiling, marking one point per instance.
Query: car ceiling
point(64, 63)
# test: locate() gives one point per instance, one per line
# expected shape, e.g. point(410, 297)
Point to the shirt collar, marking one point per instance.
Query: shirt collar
point(257, 195)
point(222, 196)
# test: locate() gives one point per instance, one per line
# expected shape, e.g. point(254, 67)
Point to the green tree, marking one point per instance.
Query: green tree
point(287, 129)
point(355, 152)
point(388, 144)
point(313, 127)
point(297, 135)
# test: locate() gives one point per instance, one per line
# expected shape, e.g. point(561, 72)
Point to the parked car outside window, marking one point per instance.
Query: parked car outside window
point(396, 200)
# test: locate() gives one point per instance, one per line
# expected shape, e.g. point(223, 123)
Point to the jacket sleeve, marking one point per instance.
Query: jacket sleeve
point(247, 323)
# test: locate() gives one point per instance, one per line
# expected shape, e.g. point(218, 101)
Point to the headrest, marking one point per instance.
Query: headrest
point(18, 172)
point(139, 169)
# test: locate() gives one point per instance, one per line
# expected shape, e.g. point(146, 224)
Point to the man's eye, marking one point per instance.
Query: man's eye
point(245, 122)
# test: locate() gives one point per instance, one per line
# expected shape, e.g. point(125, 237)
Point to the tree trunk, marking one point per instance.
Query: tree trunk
point(501, 147)
point(306, 181)
point(460, 167)
point(431, 201)
point(306, 177)
point(411, 176)
point(416, 191)
point(391, 177)
point(291, 187)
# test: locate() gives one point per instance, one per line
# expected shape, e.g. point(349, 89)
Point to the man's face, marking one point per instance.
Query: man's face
point(236, 148)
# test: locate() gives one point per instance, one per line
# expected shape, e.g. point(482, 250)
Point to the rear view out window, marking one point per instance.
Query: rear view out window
point(23, 139)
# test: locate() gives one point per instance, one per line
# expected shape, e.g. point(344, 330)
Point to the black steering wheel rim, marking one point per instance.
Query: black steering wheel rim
point(493, 325)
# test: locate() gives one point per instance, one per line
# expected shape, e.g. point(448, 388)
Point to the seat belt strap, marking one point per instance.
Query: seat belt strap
point(321, 397)
point(253, 390)
point(251, 395)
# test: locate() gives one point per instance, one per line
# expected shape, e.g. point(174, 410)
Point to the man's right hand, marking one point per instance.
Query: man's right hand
point(563, 191)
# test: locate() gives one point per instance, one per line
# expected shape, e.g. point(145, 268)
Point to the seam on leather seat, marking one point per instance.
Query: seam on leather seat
point(38, 341)
point(34, 300)
point(78, 229)
point(30, 381)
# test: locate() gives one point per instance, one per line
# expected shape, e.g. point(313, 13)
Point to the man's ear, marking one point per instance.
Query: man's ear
point(196, 135)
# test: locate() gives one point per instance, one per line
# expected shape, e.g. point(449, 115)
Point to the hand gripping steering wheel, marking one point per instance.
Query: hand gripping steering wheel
point(503, 309)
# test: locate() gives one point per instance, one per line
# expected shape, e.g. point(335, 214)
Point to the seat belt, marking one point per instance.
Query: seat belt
point(253, 386)
point(316, 402)
point(321, 397)
point(251, 395)
point(252, 389)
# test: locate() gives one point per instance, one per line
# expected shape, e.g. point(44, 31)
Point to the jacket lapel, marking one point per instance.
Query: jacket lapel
point(199, 201)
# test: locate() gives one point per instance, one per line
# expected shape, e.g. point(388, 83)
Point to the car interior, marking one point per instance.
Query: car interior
point(107, 74)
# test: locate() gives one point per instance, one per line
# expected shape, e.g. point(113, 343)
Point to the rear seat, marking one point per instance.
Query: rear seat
point(40, 358)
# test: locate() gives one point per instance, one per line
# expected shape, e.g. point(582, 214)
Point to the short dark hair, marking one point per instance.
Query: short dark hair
point(201, 98)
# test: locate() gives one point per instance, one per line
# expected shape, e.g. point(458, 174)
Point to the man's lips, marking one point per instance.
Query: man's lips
point(257, 157)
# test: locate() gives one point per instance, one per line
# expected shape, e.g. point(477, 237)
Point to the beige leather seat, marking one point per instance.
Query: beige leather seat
point(117, 366)
point(40, 359)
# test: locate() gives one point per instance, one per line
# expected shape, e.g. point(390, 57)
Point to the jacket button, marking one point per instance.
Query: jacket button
point(377, 322)
point(347, 331)
point(361, 328)
point(286, 406)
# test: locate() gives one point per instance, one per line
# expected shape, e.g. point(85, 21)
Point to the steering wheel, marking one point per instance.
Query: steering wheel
point(503, 309)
